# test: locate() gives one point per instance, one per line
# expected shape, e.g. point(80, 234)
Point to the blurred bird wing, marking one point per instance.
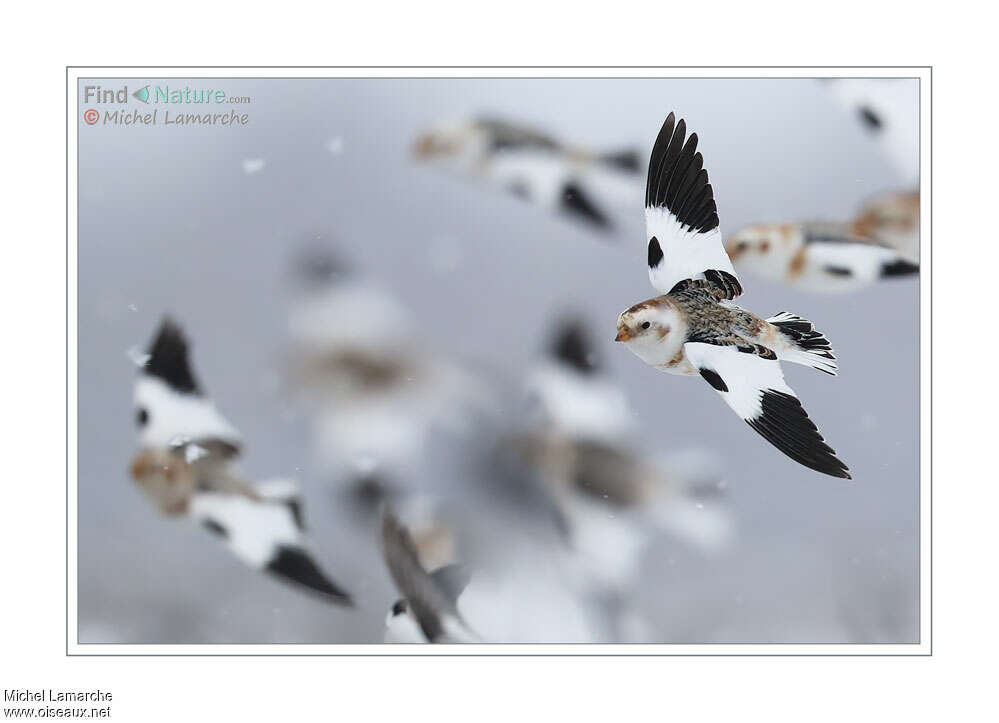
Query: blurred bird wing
point(169, 418)
point(171, 408)
point(429, 601)
point(580, 405)
point(755, 389)
point(266, 532)
point(348, 315)
point(857, 260)
point(452, 579)
point(549, 180)
point(681, 218)
point(888, 109)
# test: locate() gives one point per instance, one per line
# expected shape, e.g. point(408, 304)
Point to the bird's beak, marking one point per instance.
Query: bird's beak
point(622, 334)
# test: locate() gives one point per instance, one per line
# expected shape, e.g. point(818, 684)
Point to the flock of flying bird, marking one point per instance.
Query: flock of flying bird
point(376, 396)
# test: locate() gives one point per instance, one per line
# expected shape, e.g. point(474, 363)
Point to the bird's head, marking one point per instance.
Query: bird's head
point(401, 625)
point(648, 328)
point(756, 240)
point(763, 247)
point(453, 142)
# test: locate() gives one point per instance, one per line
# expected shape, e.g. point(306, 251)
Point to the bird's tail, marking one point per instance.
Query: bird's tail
point(803, 343)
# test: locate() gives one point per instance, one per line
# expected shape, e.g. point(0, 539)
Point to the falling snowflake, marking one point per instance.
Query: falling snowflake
point(138, 357)
point(194, 452)
point(253, 165)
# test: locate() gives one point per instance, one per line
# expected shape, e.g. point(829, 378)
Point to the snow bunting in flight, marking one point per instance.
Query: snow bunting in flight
point(888, 111)
point(694, 328)
point(535, 166)
point(819, 256)
point(185, 468)
point(378, 396)
point(428, 608)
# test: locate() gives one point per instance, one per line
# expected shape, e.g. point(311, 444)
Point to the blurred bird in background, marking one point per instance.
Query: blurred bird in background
point(882, 240)
point(819, 256)
point(427, 611)
point(185, 468)
point(610, 497)
point(376, 395)
point(590, 187)
point(892, 219)
point(888, 111)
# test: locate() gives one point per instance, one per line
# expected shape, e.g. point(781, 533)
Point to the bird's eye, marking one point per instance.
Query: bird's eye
point(142, 417)
point(646, 325)
point(741, 246)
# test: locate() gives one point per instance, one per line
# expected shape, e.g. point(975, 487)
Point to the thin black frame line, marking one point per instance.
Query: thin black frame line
point(423, 655)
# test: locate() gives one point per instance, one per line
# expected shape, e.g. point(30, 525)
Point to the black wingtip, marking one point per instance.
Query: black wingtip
point(901, 267)
point(168, 358)
point(677, 180)
point(573, 347)
point(869, 118)
point(296, 565)
point(577, 203)
point(784, 423)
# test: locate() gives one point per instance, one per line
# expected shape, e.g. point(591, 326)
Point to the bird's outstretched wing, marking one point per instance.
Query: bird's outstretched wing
point(266, 532)
point(888, 109)
point(431, 600)
point(681, 218)
point(755, 389)
point(170, 407)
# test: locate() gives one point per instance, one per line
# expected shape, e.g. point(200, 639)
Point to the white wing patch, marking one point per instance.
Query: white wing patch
point(170, 417)
point(254, 530)
point(580, 405)
point(266, 534)
point(755, 389)
point(686, 254)
point(745, 375)
point(858, 262)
